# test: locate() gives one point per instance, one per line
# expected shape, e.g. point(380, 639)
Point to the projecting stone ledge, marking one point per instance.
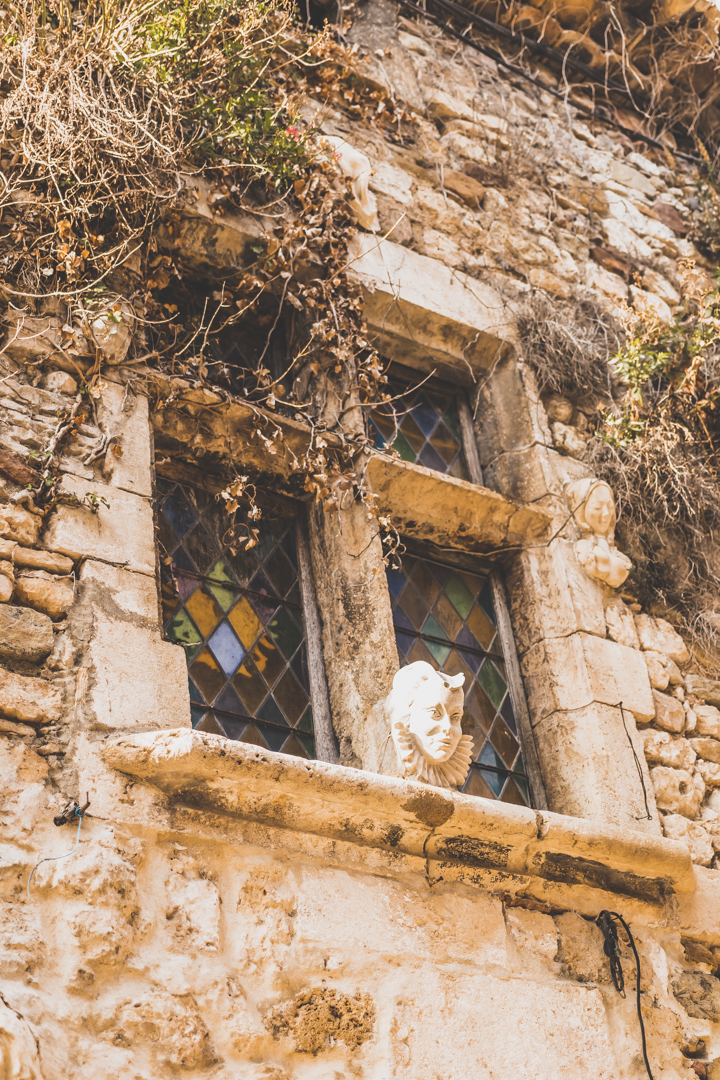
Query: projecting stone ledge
point(457, 837)
point(449, 512)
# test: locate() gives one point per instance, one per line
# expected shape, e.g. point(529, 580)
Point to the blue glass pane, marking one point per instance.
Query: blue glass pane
point(396, 581)
point(426, 417)
point(180, 515)
point(508, 714)
point(226, 648)
point(495, 780)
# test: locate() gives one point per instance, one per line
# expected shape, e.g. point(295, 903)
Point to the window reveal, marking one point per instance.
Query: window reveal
point(240, 620)
point(423, 427)
point(446, 617)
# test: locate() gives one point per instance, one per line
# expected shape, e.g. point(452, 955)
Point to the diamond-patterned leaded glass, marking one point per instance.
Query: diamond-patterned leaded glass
point(446, 617)
point(422, 426)
point(239, 619)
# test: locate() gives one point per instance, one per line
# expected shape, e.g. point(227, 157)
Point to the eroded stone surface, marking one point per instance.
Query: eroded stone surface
point(24, 634)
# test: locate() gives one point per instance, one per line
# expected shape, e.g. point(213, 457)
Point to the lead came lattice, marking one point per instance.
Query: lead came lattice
point(446, 617)
point(239, 619)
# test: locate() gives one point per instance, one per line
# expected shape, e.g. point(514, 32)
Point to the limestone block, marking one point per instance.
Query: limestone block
point(32, 559)
point(534, 932)
point(193, 907)
point(104, 936)
point(18, 1049)
point(693, 835)
point(570, 673)
point(60, 382)
point(119, 533)
point(659, 636)
point(15, 729)
point(133, 594)
point(171, 1024)
point(710, 772)
point(551, 597)
point(662, 749)
point(48, 593)
point(19, 524)
point(24, 634)
point(125, 418)
point(581, 949)
point(669, 713)
point(567, 438)
point(699, 994)
point(7, 582)
point(620, 624)
point(35, 701)
point(708, 720)
point(629, 177)
point(678, 790)
point(589, 770)
point(662, 670)
point(140, 680)
point(706, 689)
point(708, 749)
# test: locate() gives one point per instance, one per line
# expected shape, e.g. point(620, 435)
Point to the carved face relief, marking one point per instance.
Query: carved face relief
point(600, 510)
point(425, 709)
point(593, 508)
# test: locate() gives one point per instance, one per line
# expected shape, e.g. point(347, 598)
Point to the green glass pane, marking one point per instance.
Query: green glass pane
point(458, 469)
point(451, 420)
point(440, 652)
point(285, 632)
point(308, 742)
point(224, 594)
point(492, 683)
point(524, 789)
point(404, 448)
point(182, 629)
point(433, 627)
point(191, 651)
point(306, 723)
point(459, 594)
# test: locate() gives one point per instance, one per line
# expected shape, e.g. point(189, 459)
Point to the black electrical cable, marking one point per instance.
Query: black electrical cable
point(612, 951)
point(487, 50)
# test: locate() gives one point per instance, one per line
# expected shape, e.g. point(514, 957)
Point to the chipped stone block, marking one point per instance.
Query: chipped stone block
point(313, 1017)
point(119, 533)
point(60, 382)
point(45, 592)
point(657, 670)
point(19, 524)
point(132, 594)
point(7, 582)
point(659, 636)
point(708, 720)
point(699, 994)
point(669, 713)
point(620, 624)
point(678, 790)
point(35, 701)
point(567, 439)
point(662, 749)
point(15, 729)
point(193, 907)
point(24, 634)
point(709, 771)
point(140, 680)
point(706, 748)
point(34, 559)
point(693, 835)
point(581, 949)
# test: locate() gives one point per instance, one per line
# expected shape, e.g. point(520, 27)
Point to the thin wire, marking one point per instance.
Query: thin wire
point(610, 934)
point(637, 762)
point(54, 858)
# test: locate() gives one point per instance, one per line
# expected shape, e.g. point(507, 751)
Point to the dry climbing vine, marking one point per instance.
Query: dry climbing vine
point(115, 117)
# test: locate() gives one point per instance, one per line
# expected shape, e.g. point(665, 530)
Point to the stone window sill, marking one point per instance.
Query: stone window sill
point(458, 838)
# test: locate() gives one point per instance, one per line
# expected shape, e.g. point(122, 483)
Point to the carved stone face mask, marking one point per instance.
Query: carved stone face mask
point(435, 719)
point(600, 510)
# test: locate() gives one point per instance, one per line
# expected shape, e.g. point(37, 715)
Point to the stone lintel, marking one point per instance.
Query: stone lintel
point(453, 831)
point(427, 315)
point(450, 512)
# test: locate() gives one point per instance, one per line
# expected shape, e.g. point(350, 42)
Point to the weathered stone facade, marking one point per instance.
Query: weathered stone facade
point(237, 914)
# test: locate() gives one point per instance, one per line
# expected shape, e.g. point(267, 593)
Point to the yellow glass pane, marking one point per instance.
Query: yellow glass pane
point(205, 611)
point(245, 622)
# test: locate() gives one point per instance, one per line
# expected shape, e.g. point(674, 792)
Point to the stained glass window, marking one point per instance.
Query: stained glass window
point(239, 619)
point(422, 426)
point(446, 617)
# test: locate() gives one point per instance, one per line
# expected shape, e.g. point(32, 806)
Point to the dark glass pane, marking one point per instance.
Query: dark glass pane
point(228, 702)
point(280, 571)
point(447, 617)
point(430, 458)
point(208, 677)
point(425, 416)
point(476, 784)
point(250, 685)
point(180, 515)
point(285, 632)
point(290, 696)
point(268, 659)
point(504, 742)
point(492, 682)
point(299, 666)
point(210, 724)
point(421, 426)
point(413, 605)
point(509, 715)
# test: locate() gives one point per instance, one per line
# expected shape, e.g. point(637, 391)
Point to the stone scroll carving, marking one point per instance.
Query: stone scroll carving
point(355, 165)
point(592, 505)
point(425, 710)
